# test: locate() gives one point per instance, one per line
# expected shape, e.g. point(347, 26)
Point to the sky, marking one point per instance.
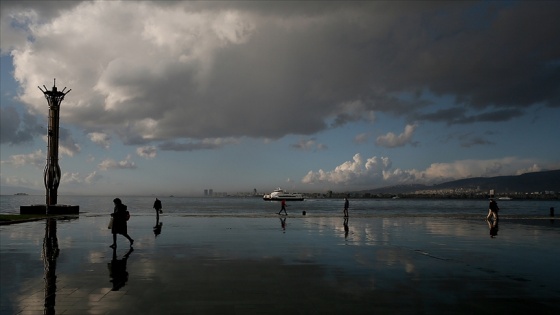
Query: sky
point(174, 97)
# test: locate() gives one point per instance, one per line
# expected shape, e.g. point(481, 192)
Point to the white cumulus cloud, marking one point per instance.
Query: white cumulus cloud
point(379, 171)
point(37, 158)
point(108, 164)
point(100, 138)
point(391, 140)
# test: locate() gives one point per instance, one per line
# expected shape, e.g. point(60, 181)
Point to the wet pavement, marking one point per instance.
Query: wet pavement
point(280, 265)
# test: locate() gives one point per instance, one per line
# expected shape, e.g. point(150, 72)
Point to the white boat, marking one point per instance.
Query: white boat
point(280, 194)
point(504, 198)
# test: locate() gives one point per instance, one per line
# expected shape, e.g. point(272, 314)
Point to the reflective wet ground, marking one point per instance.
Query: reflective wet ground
point(281, 265)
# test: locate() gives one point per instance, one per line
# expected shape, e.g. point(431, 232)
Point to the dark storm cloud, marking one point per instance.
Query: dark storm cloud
point(471, 139)
point(67, 143)
point(493, 116)
point(197, 70)
point(15, 130)
point(191, 146)
point(459, 115)
point(206, 144)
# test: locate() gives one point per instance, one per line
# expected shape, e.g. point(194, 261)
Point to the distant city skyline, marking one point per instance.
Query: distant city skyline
point(171, 98)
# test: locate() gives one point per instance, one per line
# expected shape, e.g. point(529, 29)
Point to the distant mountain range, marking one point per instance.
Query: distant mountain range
point(525, 183)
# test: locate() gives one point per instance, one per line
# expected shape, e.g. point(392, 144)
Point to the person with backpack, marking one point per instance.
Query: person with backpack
point(120, 216)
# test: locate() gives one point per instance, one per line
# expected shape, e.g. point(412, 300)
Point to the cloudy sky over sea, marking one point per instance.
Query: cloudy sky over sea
point(174, 97)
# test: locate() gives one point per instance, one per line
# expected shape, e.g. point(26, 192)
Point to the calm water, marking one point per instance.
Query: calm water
point(313, 207)
point(219, 255)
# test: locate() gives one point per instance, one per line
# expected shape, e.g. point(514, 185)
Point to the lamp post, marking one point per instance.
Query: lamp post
point(52, 169)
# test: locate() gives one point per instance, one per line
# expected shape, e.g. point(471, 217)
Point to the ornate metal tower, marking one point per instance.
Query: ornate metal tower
point(52, 170)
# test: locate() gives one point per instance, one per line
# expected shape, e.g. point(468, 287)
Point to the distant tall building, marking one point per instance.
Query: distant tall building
point(205, 192)
point(210, 192)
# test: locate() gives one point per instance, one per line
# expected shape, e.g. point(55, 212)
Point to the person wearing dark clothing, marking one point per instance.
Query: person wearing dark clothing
point(157, 206)
point(346, 206)
point(492, 210)
point(283, 207)
point(120, 216)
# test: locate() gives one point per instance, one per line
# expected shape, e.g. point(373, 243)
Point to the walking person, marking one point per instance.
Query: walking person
point(120, 216)
point(283, 207)
point(346, 206)
point(493, 210)
point(157, 206)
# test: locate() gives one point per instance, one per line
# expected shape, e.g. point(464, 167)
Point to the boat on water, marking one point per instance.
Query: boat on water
point(281, 194)
point(504, 198)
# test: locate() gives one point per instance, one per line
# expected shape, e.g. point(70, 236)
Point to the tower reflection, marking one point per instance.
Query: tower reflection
point(50, 254)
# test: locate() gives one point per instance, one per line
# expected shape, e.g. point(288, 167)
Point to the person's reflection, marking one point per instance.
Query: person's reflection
point(346, 229)
point(157, 227)
point(50, 254)
point(117, 268)
point(493, 226)
point(283, 224)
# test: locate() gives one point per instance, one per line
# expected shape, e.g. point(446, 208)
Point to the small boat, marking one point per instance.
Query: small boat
point(280, 194)
point(504, 198)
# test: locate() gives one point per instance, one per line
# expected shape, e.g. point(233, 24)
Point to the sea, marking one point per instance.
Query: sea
point(255, 206)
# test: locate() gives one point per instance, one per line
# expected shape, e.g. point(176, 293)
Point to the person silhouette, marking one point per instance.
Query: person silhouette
point(120, 216)
point(492, 210)
point(117, 269)
point(158, 207)
point(346, 206)
point(283, 204)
